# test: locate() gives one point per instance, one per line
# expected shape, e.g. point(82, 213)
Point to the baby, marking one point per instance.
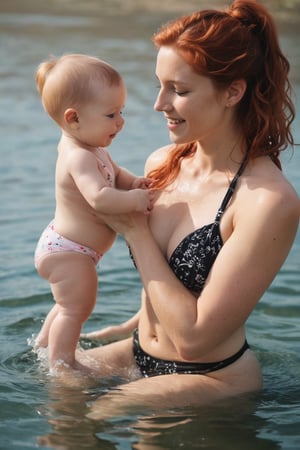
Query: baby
point(85, 96)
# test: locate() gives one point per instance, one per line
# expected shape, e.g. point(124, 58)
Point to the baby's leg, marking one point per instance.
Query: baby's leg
point(74, 284)
point(42, 339)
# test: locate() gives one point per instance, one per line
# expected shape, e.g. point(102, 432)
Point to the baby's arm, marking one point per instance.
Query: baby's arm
point(114, 201)
point(125, 180)
point(90, 181)
point(131, 193)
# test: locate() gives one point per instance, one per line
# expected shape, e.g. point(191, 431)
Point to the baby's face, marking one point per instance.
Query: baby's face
point(101, 119)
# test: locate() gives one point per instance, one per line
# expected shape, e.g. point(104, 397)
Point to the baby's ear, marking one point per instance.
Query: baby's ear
point(71, 117)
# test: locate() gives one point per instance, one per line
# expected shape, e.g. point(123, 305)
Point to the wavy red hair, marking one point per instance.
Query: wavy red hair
point(238, 43)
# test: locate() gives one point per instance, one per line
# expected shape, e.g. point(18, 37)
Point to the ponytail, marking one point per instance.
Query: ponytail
point(42, 72)
point(267, 109)
point(238, 43)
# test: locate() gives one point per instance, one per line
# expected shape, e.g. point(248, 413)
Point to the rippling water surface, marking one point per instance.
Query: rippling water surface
point(35, 413)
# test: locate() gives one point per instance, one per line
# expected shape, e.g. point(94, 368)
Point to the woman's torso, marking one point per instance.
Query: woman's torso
point(195, 207)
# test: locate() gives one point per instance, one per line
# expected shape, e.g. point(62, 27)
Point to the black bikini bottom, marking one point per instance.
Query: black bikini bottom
point(151, 367)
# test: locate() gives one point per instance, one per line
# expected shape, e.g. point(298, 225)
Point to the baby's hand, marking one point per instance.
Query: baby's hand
point(144, 200)
point(141, 183)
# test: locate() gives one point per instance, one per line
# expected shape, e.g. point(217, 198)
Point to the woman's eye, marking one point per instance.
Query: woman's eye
point(173, 89)
point(180, 93)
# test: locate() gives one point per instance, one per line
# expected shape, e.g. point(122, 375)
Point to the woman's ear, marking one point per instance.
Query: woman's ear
point(71, 118)
point(235, 92)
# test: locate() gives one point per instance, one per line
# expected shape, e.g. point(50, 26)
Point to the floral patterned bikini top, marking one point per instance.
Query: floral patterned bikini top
point(193, 258)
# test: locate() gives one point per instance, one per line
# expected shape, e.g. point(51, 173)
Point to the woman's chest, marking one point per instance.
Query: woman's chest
point(175, 216)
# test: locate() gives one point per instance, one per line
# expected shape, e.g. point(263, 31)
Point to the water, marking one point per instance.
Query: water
point(35, 413)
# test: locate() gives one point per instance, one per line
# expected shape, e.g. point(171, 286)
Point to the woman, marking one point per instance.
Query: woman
point(224, 219)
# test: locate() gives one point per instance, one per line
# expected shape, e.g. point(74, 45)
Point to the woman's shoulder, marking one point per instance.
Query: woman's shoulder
point(157, 157)
point(266, 187)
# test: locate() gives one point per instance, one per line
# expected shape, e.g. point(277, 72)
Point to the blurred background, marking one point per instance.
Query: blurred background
point(34, 411)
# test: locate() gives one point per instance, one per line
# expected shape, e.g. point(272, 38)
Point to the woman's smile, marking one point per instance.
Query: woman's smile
point(174, 123)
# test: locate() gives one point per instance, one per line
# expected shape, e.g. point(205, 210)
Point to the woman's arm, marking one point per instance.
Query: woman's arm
point(114, 332)
point(243, 270)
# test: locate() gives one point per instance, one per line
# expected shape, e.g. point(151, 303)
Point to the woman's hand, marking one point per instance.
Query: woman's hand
point(125, 224)
point(108, 334)
point(114, 332)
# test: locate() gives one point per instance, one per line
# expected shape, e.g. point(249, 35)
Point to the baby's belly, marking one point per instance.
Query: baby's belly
point(95, 235)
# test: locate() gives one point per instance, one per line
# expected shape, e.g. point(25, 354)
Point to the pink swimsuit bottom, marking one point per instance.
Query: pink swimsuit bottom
point(52, 242)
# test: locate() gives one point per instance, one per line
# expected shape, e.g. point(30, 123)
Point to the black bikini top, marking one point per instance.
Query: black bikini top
point(193, 258)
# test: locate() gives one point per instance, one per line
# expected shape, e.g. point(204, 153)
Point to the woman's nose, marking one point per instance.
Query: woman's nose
point(161, 103)
point(157, 103)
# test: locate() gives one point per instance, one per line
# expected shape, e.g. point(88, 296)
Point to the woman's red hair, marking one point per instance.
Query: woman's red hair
point(239, 43)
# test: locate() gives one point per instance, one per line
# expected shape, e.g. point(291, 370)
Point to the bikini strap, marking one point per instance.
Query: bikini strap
point(230, 191)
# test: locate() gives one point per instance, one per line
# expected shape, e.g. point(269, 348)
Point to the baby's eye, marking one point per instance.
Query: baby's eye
point(113, 115)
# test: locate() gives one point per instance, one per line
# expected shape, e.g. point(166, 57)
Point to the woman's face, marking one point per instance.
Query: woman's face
point(194, 109)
